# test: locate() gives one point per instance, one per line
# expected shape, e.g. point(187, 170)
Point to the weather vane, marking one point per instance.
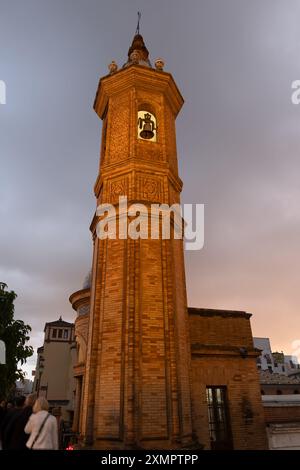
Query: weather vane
point(138, 23)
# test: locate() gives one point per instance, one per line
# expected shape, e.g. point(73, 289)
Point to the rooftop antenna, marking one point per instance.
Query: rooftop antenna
point(137, 31)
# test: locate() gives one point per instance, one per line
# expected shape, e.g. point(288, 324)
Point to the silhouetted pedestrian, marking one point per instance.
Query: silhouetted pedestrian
point(16, 436)
point(9, 413)
point(11, 417)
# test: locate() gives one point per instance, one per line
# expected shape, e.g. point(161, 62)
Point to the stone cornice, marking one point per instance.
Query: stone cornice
point(79, 298)
point(134, 164)
point(148, 204)
point(210, 312)
point(199, 349)
point(139, 77)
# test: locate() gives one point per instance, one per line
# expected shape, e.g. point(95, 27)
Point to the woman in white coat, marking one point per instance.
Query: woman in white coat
point(42, 427)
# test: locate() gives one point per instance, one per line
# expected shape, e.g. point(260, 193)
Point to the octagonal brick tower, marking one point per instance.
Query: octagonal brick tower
point(136, 392)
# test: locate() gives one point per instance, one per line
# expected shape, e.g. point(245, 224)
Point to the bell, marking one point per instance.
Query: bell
point(147, 132)
point(148, 127)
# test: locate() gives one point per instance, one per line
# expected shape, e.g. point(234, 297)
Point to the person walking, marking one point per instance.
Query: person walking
point(10, 425)
point(9, 414)
point(42, 427)
point(2, 417)
point(18, 438)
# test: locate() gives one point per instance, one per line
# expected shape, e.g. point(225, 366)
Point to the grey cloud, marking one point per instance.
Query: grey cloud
point(237, 138)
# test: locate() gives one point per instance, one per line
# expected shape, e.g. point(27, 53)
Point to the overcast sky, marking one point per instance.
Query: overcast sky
point(238, 138)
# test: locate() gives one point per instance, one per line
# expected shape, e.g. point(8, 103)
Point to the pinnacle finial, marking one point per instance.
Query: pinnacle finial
point(113, 67)
point(159, 64)
point(137, 31)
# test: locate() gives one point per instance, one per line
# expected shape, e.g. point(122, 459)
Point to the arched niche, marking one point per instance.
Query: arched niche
point(146, 123)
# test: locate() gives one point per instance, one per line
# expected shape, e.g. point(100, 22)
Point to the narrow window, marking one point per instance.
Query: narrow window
point(218, 418)
point(60, 333)
point(54, 333)
point(104, 133)
point(66, 334)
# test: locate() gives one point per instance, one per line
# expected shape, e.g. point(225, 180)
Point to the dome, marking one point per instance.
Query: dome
point(87, 280)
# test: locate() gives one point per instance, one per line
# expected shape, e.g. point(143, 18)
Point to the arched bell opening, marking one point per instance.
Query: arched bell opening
point(146, 123)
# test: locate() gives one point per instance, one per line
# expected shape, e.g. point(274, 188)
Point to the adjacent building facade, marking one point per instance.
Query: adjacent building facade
point(280, 391)
point(54, 376)
point(226, 402)
point(23, 387)
point(275, 362)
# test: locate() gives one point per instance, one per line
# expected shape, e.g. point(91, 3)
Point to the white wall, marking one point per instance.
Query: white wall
point(284, 436)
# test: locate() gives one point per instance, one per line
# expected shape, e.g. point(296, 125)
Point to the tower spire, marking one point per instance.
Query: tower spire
point(138, 53)
point(137, 31)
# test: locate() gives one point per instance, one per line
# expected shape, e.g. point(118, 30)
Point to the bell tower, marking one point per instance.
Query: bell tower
point(136, 392)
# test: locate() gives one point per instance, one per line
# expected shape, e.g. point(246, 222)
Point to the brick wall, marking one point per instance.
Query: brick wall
point(220, 327)
point(282, 414)
point(217, 339)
